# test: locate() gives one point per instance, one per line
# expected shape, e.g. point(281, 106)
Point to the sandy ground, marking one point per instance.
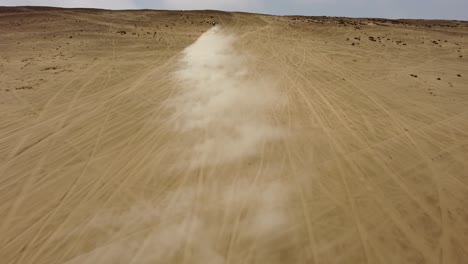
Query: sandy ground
point(152, 137)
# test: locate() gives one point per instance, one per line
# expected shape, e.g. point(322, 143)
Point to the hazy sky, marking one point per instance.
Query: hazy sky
point(443, 9)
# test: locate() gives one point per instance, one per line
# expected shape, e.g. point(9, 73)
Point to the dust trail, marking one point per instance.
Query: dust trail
point(222, 116)
point(151, 233)
point(222, 105)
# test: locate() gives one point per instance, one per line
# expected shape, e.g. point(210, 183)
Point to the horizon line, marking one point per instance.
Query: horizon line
point(233, 11)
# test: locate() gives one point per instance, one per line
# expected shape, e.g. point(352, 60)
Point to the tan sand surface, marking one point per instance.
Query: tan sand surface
point(153, 137)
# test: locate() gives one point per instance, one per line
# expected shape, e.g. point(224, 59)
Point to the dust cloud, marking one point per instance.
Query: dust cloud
point(177, 233)
point(222, 103)
point(221, 115)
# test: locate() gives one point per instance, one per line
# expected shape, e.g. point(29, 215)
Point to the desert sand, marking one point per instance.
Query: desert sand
point(154, 137)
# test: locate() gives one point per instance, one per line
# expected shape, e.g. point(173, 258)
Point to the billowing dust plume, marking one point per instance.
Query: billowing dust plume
point(177, 233)
point(223, 104)
point(221, 115)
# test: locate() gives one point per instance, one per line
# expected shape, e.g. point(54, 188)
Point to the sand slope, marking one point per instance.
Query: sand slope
point(124, 138)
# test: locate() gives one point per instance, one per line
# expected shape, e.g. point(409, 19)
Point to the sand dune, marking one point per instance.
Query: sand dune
point(154, 137)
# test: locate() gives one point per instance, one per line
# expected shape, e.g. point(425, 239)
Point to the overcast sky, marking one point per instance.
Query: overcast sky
point(442, 9)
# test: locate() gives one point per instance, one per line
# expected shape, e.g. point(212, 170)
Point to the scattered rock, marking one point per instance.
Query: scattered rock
point(122, 32)
point(24, 88)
